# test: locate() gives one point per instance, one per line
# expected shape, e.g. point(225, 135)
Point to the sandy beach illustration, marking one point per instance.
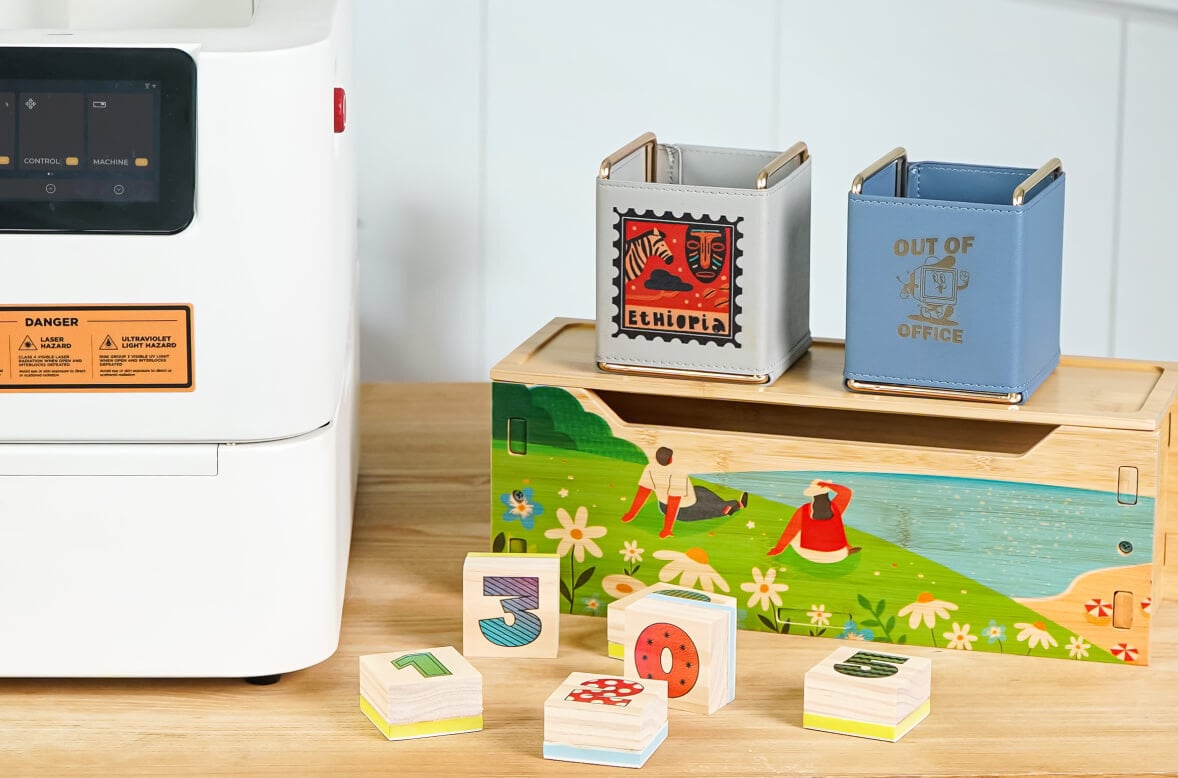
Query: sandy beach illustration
point(1094, 623)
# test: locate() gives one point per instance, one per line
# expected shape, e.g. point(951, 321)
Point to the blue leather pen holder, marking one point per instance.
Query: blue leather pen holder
point(953, 279)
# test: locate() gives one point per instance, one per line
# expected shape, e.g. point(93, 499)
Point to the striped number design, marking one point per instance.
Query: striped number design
point(868, 664)
point(521, 596)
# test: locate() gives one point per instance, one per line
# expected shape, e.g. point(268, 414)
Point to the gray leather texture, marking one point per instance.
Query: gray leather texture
point(699, 270)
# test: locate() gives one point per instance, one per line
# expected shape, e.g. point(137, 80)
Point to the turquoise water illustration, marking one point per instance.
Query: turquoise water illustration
point(1023, 540)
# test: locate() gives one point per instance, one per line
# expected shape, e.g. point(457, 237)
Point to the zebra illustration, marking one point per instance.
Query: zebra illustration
point(641, 248)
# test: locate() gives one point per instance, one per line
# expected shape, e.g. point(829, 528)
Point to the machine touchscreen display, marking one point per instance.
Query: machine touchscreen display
point(96, 140)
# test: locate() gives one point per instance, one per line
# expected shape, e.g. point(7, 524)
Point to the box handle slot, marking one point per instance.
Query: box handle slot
point(1122, 610)
point(884, 429)
point(1127, 485)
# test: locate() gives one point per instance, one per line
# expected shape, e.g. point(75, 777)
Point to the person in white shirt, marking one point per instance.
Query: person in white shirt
point(678, 498)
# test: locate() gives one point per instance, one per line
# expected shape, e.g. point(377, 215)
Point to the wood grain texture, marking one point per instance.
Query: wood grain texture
point(597, 710)
point(422, 506)
point(421, 692)
point(1109, 393)
point(615, 611)
point(1079, 456)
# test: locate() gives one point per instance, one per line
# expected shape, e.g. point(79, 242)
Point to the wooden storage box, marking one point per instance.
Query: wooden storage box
point(1033, 530)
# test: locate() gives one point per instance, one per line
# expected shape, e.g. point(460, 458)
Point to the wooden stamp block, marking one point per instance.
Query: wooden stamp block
point(412, 694)
point(605, 719)
point(616, 611)
point(690, 644)
point(615, 615)
point(872, 694)
point(511, 605)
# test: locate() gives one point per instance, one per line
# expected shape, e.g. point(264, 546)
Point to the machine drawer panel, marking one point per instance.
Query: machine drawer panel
point(108, 459)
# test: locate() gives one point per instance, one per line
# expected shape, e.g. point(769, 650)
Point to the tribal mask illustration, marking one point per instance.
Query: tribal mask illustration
point(707, 249)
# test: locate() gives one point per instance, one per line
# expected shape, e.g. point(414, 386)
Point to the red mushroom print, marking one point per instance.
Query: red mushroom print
point(1124, 651)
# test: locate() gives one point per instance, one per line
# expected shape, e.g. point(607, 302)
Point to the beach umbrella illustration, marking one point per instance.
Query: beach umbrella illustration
point(1098, 611)
point(1124, 651)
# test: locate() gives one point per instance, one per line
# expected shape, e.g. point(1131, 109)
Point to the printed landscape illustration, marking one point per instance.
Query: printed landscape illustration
point(950, 562)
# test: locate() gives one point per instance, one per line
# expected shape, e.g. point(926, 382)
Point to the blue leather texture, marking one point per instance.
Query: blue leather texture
point(952, 286)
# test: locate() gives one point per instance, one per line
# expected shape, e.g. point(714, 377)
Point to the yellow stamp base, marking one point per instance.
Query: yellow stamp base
point(420, 728)
point(892, 732)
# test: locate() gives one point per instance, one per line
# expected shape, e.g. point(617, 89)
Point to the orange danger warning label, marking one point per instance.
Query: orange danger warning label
point(96, 348)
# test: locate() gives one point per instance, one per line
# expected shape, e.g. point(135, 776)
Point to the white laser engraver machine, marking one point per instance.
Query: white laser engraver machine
point(177, 335)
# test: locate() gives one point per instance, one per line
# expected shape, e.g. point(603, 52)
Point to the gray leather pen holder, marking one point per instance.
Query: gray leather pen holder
point(703, 261)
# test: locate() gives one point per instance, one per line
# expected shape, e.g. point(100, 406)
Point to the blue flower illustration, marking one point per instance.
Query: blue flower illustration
point(521, 507)
point(994, 632)
point(851, 631)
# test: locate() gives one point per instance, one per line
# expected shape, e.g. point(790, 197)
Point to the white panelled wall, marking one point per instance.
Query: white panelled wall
point(482, 123)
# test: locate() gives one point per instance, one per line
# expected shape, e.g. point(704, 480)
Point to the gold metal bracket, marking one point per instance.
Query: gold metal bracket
point(646, 140)
point(896, 154)
point(900, 390)
point(662, 372)
point(1053, 167)
point(798, 151)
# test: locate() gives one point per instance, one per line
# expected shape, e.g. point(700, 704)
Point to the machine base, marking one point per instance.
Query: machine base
point(225, 561)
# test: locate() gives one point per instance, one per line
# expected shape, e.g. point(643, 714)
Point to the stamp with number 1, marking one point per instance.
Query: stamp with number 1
point(421, 693)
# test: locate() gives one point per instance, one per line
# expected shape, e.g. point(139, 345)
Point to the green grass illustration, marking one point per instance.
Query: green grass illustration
point(860, 597)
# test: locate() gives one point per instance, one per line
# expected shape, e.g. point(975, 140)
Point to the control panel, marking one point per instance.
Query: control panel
point(96, 140)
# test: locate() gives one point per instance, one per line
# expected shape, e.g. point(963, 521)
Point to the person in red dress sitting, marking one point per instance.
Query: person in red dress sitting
point(816, 529)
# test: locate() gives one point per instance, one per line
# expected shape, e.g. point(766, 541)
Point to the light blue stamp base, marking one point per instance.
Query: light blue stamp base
point(613, 757)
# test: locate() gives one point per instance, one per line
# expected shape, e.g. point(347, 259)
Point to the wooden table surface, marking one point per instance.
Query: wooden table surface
point(422, 505)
